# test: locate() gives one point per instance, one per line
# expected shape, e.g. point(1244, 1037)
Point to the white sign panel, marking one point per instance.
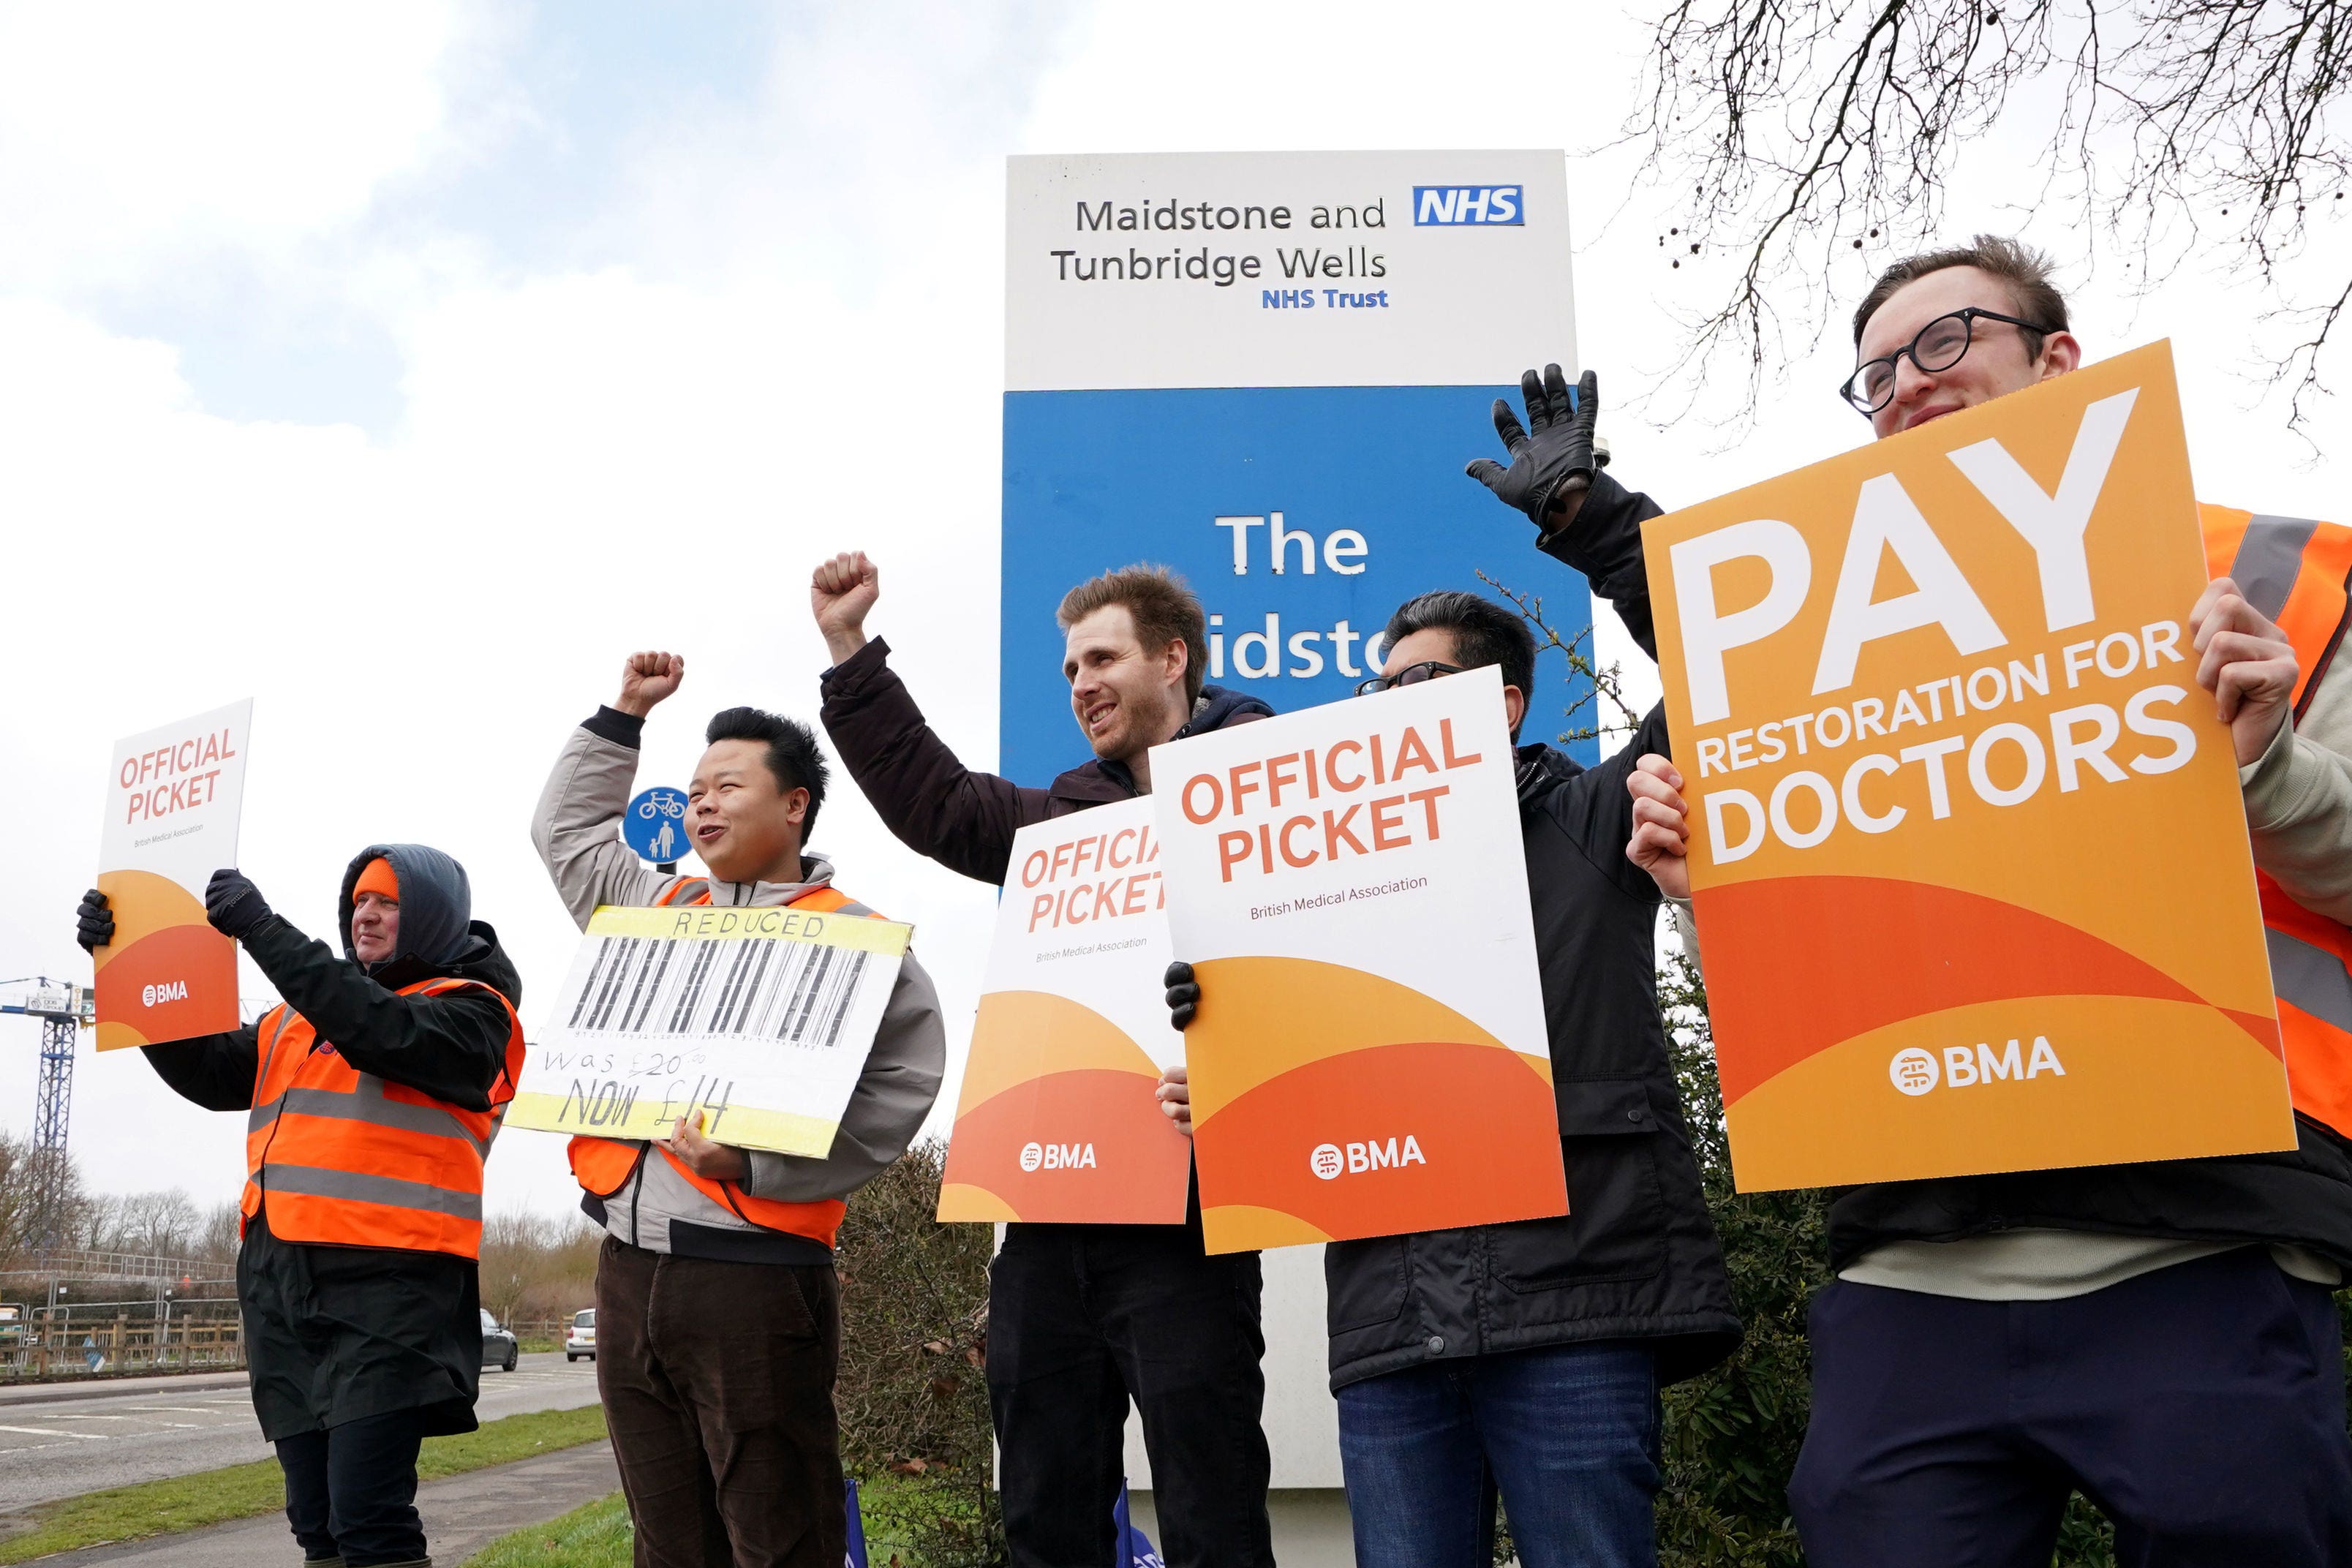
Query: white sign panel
point(760, 1019)
point(174, 797)
point(1371, 1056)
point(1253, 269)
point(1059, 1119)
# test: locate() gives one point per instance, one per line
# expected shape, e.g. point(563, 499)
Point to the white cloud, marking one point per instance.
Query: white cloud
point(134, 136)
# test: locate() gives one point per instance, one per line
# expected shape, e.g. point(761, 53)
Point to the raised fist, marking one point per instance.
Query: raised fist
point(840, 592)
point(647, 678)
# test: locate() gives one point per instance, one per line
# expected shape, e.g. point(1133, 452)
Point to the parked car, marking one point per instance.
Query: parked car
point(582, 1339)
point(499, 1346)
point(12, 1325)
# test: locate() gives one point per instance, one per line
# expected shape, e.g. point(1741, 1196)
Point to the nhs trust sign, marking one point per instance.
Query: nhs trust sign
point(1267, 371)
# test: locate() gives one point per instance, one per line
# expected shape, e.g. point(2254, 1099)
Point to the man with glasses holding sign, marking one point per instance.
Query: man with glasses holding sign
point(717, 1311)
point(1526, 1359)
point(2159, 1336)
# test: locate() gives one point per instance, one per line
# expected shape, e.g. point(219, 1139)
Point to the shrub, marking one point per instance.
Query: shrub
point(914, 1337)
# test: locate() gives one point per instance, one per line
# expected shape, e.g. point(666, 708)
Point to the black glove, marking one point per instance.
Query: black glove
point(1183, 994)
point(94, 921)
point(1557, 444)
point(234, 905)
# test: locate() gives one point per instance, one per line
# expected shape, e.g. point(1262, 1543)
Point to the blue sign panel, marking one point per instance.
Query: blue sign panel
point(1302, 516)
point(653, 827)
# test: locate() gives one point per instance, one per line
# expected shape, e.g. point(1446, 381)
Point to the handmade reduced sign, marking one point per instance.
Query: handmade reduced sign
point(1973, 887)
point(758, 1018)
point(1370, 1057)
point(173, 799)
point(1059, 1118)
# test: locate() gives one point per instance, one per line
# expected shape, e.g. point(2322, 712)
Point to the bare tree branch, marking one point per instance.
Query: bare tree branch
point(1601, 683)
point(1806, 130)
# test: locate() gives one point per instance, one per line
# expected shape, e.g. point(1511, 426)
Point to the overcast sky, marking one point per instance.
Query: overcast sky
point(404, 366)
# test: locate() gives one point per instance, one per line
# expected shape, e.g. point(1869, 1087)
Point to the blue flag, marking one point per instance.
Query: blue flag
point(1135, 1548)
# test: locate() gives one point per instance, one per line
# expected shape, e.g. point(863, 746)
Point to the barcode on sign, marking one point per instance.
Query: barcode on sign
point(794, 992)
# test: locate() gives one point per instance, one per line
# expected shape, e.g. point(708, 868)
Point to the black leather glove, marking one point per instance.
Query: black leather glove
point(94, 921)
point(1556, 445)
point(1183, 994)
point(234, 905)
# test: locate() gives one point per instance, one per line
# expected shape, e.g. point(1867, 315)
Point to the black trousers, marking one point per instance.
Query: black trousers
point(351, 1490)
point(717, 1380)
point(1082, 1317)
point(2200, 1407)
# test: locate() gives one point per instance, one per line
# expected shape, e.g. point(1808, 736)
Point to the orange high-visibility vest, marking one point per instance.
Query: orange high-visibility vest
point(2294, 571)
point(602, 1167)
point(345, 1158)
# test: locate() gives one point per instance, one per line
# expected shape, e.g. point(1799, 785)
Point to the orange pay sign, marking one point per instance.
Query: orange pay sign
point(1971, 874)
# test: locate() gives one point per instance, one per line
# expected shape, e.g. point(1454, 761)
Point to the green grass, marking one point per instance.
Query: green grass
point(242, 1491)
point(595, 1536)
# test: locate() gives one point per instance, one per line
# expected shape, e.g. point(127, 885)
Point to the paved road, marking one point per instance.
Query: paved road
point(462, 1515)
point(84, 1438)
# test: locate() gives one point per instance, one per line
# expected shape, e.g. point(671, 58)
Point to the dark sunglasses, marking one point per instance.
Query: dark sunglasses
point(1410, 675)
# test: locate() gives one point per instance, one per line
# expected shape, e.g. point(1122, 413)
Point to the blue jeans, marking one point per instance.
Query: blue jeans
point(1568, 1434)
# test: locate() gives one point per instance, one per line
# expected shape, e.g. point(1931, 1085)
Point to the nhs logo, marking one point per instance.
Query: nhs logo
point(1468, 203)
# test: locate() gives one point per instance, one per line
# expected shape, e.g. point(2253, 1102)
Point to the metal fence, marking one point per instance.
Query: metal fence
point(111, 1338)
point(97, 1338)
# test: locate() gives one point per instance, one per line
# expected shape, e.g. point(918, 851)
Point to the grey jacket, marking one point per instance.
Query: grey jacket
point(575, 831)
point(2299, 800)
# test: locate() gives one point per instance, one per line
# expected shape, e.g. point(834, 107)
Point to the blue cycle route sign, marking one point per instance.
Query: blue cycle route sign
point(654, 824)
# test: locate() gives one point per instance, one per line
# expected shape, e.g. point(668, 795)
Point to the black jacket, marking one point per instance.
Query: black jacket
point(339, 1333)
point(2301, 1196)
point(1636, 1256)
point(451, 1047)
point(962, 819)
point(936, 805)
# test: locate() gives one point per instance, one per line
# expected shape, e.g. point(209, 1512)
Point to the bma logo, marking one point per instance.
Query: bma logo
point(1329, 1162)
point(1057, 1156)
point(169, 991)
point(1914, 1071)
point(1468, 203)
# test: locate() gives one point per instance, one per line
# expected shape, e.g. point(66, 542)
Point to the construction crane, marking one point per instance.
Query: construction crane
point(63, 1008)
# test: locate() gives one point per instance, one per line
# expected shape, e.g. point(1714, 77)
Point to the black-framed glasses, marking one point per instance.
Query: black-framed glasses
point(1410, 675)
point(1940, 345)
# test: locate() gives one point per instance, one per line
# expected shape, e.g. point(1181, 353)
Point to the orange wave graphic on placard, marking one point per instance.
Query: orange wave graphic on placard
point(1022, 1035)
point(167, 976)
point(1329, 1008)
point(1853, 954)
point(1059, 1122)
point(1432, 1121)
point(2108, 1092)
point(144, 903)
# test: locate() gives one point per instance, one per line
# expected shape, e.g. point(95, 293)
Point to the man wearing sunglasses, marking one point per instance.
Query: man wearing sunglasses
point(2160, 1337)
point(1526, 1359)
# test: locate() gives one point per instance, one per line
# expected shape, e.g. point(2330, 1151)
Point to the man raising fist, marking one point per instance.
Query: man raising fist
point(1082, 1317)
point(717, 1309)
